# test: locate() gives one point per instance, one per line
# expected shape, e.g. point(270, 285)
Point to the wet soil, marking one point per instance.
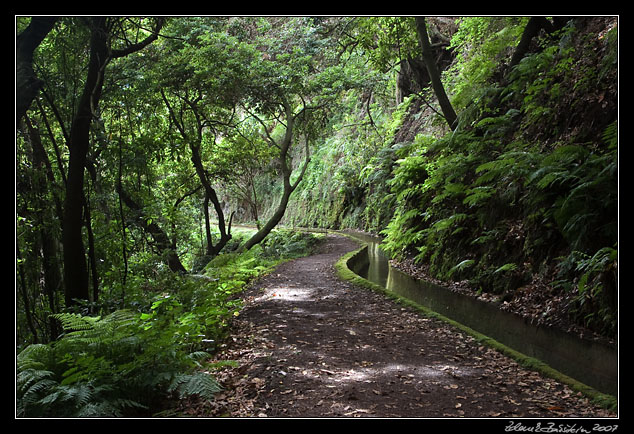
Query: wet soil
point(309, 345)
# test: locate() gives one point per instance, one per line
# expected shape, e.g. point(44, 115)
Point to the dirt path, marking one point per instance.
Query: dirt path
point(311, 345)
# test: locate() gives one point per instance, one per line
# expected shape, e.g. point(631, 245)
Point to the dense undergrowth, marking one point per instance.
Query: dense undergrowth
point(133, 361)
point(522, 197)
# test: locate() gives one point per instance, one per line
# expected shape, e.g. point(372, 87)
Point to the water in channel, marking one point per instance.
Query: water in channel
point(588, 361)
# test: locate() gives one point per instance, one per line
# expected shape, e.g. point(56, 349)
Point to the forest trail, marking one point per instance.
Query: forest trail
point(310, 345)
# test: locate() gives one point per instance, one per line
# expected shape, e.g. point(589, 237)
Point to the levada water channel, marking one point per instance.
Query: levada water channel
point(587, 361)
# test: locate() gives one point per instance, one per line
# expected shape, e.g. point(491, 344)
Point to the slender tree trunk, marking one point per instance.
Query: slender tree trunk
point(532, 29)
point(289, 187)
point(50, 263)
point(25, 294)
point(210, 195)
point(210, 244)
point(124, 242)
point(271, 222)
point(75, 268)
point(534, 25)
point(163, 243)
point(91, 251)
point(434, 74)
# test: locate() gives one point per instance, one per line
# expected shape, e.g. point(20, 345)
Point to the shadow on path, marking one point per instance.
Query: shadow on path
point(311, 345)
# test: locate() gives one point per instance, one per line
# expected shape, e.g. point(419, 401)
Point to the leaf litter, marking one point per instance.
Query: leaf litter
point(342, 351)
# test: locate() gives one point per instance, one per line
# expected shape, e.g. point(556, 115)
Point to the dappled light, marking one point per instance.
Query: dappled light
point(190, 194)
point(320, 347)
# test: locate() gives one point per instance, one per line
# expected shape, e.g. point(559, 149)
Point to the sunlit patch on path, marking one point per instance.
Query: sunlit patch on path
point(311, 345)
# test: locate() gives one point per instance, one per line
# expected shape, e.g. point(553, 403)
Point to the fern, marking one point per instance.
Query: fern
point(478, 195)
point(611, 136)
point(114, 408)
point(199, 383)
point(463, 265)
point(35, 356)
point(31, 385)
point(95, 330)
point(446, 223)
point(107, 366)
point(506, 267)
point(75, 322)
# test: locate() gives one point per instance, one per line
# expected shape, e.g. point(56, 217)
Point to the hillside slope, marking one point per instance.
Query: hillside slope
point(519, 204)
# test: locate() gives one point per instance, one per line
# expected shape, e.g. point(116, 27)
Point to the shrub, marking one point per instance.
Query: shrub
point(130, 362)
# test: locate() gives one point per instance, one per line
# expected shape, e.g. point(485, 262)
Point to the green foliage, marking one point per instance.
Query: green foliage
point(77, 375)
point(128, 362)
point(482, 45)
point(526, 187)
point(199, 383)
point(461, 266)
point(592, 279)
point(446, 199)
point(582, 183)
point(388, 40)
point(509, 197)
point(288, 244)
point(344, 185)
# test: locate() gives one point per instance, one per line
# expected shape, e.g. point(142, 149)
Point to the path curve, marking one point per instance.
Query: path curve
point(310, 345)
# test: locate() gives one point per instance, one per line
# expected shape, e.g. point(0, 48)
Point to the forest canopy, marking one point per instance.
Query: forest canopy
point(483, 149)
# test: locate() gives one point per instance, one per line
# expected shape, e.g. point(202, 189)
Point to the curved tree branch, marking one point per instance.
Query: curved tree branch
point(140, 45)
point(27, 83)
point(434, 74)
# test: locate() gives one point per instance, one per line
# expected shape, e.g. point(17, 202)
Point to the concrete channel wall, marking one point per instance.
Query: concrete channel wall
point(590, 362)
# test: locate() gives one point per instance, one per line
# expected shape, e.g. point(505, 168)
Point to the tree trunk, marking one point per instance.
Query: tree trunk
point(27, 83)
point(284, 147)
point(532, 29)
point(210, 195)
point(25, 293)
point(50, 263)
point(207, 226)
point(92, 258)
point(165, 247)
point(534, 25)
point(272, 222)
point(434, 74)
point(75, 269)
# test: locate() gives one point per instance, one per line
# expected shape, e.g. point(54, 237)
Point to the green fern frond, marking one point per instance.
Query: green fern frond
point(506, 267)
point(114, 408)
point(79, 393)
point(99, 409)
point(198, 356)
point(566, 156)
point(95, 330)
point(35, 356)
point(75, 322)
point(478, 195)
point(31, 383)
point(461, 266)
point(611, 135)
point(198, 383)
point(446, 223)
